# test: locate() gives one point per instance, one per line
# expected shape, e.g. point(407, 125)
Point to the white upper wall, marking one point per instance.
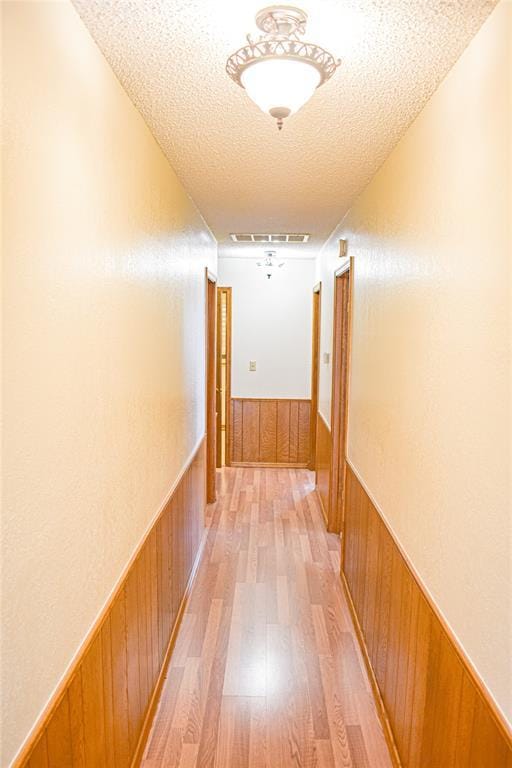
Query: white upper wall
point(271, 324)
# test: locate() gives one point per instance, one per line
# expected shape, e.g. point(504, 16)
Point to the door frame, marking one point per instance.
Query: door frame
point(341, 353)
point(315, 370)
point(218, 389)
point(210, 383)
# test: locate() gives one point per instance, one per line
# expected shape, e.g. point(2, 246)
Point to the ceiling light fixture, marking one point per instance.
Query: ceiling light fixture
point(279, 71)
point(270, 263)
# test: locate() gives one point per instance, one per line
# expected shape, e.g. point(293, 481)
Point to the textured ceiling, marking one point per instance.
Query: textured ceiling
point(242, 173)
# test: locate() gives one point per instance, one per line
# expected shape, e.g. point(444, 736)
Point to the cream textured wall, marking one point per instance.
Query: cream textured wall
point(271, 324)
point(104, 258)
point(430, 409)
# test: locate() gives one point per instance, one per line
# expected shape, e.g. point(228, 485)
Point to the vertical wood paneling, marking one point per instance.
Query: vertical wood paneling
point(438, 712)
point(236, 430)
point(76, 720)
point(270, 431)
point(283, 432)
point(304, 437)
point(119, 680)
point(93, 704)
point(294, 431)
point(58, 736)
point(39, 756)
point(251, 430)
point(98, 719)
point(108, 711)
point(132, 656)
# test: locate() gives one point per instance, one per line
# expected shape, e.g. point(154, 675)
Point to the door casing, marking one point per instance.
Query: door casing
point(210, 352)
point(342, 327)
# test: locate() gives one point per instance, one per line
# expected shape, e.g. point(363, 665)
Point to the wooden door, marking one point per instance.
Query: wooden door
point(315, 362)
point(211, 398)
point(339, 406)
point(223, 362)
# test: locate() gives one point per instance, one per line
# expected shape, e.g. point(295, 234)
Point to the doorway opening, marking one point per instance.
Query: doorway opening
point(223, 457)
point(340, 384)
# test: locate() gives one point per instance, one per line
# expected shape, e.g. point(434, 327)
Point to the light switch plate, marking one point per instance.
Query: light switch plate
point(252, 365)
point(327, 357)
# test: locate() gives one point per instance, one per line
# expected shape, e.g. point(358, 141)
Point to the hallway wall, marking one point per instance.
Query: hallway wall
point(103, 319)
point(429, 425)
point(271, 321)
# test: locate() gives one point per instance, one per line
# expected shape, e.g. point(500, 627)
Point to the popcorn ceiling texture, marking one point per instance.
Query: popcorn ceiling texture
point(242, 173)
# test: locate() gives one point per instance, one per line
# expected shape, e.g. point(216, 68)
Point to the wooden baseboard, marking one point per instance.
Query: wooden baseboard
point(101, 712)
point(269, 464)
point(438, 710)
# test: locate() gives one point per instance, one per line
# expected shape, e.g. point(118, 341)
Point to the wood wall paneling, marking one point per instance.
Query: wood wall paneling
point(439, 713)
point(270, 431)
point(323, 463)
point(102, 713)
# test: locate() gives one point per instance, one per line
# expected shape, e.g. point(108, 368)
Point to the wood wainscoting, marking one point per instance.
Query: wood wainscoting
point(102, 712)
point(270, 432)
point(323, 463)
point(438, 711)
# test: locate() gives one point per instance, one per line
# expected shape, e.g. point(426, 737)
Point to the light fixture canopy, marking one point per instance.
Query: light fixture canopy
point(279, 71)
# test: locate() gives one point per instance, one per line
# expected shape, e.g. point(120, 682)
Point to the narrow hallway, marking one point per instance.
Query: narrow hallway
point(256, 504)
point(266, 670)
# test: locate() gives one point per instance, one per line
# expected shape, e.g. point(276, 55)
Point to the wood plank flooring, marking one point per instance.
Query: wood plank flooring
point(266, 670)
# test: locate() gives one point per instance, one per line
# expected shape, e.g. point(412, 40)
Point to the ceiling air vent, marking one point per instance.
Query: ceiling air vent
point(294, 237)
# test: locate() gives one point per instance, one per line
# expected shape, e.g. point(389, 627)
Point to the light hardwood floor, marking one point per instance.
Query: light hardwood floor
point(266, 669)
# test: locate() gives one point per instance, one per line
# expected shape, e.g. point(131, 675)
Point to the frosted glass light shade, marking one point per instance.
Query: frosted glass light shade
point(280, 83)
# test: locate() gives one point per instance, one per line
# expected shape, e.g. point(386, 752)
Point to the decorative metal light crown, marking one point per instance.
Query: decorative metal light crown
point(279, 71)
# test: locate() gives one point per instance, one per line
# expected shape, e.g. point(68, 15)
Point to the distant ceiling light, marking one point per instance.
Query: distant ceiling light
point(279, 71)
point(270, 263)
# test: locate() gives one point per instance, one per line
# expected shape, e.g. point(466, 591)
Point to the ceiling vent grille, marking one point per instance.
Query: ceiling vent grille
point(294, 237)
